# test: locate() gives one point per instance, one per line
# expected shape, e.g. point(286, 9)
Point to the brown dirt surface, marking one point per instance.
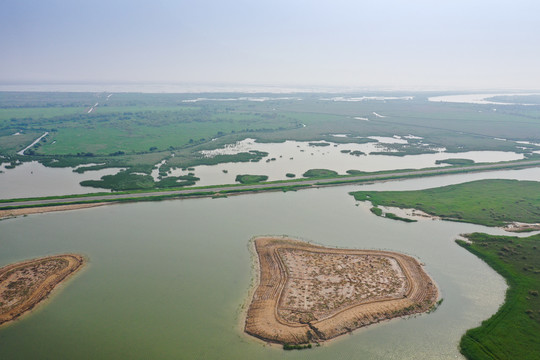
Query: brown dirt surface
point(43, 209)
point(309, 293)
point(23, 285)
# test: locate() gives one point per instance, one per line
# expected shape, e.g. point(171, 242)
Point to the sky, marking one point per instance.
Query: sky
point(414, 44)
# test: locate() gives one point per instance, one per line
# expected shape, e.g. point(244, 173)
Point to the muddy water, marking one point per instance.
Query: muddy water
point(167, 280)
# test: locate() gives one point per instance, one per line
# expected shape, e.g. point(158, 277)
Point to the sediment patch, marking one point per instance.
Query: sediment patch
point(309, 293)
point(44, 209)
point(23, 285)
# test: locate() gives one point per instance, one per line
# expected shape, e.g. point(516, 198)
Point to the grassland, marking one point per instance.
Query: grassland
point(250, 179)
point(137, 123)
point(455, 161)
point(125, 180)
point(140, 130)
point(319, 173)
point(512, 333)
point(485, 202)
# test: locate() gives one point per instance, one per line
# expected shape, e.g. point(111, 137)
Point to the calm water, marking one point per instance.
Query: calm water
point(167, 280)
point(297, 157)
point(33, 179)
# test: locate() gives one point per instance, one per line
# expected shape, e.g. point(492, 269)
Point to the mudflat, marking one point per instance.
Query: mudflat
point(23, 285)
point(43, 209)
point(308, 293)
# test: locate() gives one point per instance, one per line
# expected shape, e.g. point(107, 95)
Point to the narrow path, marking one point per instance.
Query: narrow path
point(32, 144)
point(311, 183)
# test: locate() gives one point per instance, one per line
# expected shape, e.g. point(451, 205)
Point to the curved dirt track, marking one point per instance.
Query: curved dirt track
point(264, 318)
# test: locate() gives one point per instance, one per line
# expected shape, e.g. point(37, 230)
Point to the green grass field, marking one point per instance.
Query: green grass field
point(459, 162)
point(513, 332)
point(127, 180)
point(250, 179)
point(485, 202)
point(140, 130)
point(319, 173)
point(133, 123)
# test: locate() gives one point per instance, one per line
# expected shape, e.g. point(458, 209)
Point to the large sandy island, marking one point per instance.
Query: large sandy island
point(308, 293)
point(23, 285)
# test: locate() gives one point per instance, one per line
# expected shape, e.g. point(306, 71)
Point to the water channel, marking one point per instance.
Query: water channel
point(168, 279)
point(32, 179)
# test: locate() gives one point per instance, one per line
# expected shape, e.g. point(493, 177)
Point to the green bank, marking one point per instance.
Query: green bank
point(512, 333)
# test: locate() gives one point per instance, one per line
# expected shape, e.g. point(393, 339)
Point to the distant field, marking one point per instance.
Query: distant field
point(134, 123)
point(139, 130)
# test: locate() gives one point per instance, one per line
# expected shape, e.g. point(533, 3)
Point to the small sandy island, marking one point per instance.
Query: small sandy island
point(309, 293)
point(23, 285)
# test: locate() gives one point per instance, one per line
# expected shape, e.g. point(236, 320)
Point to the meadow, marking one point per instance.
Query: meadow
point(511, 333)
point(485, 202)
point(137, 131)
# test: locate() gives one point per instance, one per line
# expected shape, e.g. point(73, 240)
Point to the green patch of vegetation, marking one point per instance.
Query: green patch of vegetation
point(321, 144)
point(290, 175)
point(356, 172)
point(377, 211)
point(319, 173)
point(83, 169)
point(512, 333)
point(176, 181)
point(184, 162)
point(250, 179)
point(357, 153)
point(399, 218)
point(296, 347)
point(455, 162)
point(123, 180)
point(485, 202)
point(128, 180)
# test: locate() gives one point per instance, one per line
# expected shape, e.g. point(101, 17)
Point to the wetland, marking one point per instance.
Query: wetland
point(172, 279)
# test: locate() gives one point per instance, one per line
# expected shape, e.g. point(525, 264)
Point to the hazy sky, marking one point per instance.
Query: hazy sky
point(401, 44)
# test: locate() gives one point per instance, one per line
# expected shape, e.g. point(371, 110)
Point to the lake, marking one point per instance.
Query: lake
point(169, 279)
